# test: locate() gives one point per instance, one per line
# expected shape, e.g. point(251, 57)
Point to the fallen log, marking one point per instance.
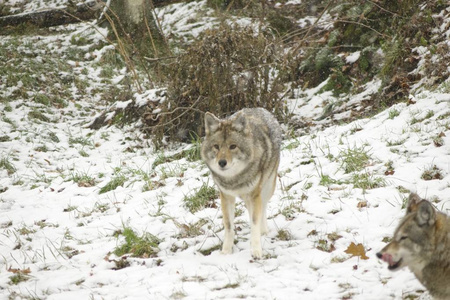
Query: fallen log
point(55, 16)
point(66, 15)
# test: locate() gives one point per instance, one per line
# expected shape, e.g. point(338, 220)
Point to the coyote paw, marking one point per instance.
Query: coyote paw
point(226, 250)
point(257, 253)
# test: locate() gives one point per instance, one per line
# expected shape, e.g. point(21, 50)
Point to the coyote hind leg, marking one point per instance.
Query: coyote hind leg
point(267, 193)
point(254, 207)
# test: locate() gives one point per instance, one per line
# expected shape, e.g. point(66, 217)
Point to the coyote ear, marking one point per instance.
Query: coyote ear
point(426, 214)
point(211, 123)
point(413, 203)
point(240, 122)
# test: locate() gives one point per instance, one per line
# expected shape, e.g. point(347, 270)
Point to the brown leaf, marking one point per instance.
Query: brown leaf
point(357, 250)
point(15, 271)
point(361, 204)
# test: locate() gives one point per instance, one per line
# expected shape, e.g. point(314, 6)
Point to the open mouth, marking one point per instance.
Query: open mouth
point(393, 266)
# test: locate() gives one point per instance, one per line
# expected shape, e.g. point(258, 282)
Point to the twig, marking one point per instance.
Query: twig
point(311, 27)
point(186, 109)
point(153, 59)
point(363, 25)
point(384, 9)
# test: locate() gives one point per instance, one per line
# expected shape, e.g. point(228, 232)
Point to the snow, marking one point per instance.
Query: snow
point(353, 57)
point(45, 214)
point(292, 269)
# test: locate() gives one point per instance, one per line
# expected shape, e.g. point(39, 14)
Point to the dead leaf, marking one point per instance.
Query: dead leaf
point(357, 250)
point(361, 204)
point(15, 271)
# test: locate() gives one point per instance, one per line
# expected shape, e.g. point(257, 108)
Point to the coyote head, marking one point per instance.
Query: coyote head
point(413, 239)
point(227, 148)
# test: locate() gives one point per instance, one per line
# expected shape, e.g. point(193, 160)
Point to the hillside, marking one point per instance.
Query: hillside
point(110, 213)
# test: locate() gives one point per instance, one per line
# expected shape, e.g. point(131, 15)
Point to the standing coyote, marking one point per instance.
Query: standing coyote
point(422, 242)
point(243, 153)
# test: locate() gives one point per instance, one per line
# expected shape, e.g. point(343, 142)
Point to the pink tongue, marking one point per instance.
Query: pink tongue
point(388, 258)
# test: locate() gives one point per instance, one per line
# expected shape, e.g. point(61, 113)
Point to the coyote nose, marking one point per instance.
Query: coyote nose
point(379, 255)
point(222, 163)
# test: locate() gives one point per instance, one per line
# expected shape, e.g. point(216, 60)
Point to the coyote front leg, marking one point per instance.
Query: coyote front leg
point(228, 204)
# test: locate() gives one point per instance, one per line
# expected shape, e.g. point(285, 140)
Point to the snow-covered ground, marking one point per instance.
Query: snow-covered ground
point(58, 226)
point(46, 217)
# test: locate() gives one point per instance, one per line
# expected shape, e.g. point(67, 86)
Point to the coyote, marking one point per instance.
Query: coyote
point(243, 153)
point(422, 242)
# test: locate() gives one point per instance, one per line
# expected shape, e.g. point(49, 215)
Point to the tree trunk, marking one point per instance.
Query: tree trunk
point(132, 22)
point(71, 14)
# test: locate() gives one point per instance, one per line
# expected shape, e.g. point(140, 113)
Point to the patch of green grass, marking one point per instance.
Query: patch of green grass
point(83, 179)
point(210, 250)
point(325, 245)
point(284, 235)
point(78, 40)
point(84, 141)
point(327, 180)
point(69, 251)
point(107, 72)
point(42, 99)
point(18, 278)
point(139, 246)
point(367, 181)
point(42, 148)
point(190, 230)
point(26, 230)
point(393, 113)
point(117, 181)
point(53, 137)
point(228, 286)
point(178, 295)
point(38, 115)
point(438, 141)
point(432, 173)
point(202, 198)
point(191, 154)
point(6, 164)
point(353, 160)
point(292, 209)
point(415, 120)
point(101, 207)
point(399, 142)
point(292, 145)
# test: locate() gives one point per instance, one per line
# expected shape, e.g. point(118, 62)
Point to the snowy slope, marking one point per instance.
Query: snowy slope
point(58, 228)
point(48, 216)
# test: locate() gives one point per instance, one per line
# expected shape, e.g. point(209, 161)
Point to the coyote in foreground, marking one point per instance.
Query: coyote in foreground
point(422, 242)
point(243, 153)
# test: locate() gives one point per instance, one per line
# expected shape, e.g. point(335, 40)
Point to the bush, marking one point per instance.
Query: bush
point(225, 70)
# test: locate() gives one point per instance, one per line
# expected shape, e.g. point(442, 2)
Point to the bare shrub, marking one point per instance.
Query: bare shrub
point(226, 69)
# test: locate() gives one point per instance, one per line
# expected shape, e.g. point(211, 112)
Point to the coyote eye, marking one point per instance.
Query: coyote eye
point(216, 147)
point(403, 238)
point(232, 147)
